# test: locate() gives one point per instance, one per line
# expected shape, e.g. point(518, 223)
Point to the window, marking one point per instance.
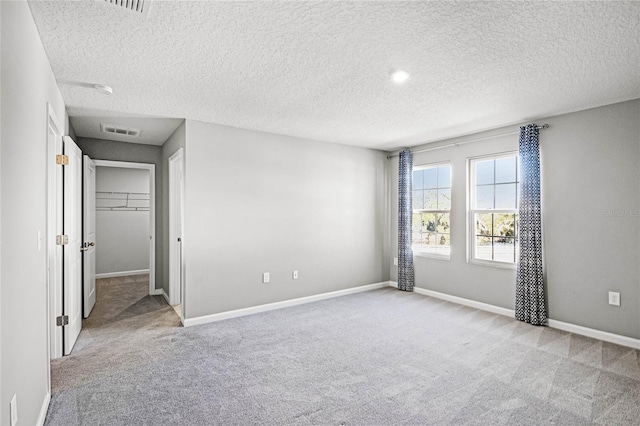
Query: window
point(494, 208)
point(431, 210)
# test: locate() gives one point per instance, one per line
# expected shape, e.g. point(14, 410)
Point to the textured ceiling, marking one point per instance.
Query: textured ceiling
point(321, 70)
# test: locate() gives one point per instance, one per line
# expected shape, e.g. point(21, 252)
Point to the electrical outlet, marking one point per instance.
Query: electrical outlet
point(614, 298)
point(395, 261)
point(295, 275)
point(265, 277)
point(13, 407)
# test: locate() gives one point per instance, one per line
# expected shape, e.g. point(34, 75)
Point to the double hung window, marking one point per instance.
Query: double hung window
point(431, 210)
point(494, 209)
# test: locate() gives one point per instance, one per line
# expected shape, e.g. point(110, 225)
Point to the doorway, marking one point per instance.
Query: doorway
point(125, 220)
point(64, 235)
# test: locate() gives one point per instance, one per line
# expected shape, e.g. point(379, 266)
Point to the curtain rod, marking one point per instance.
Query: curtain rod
point(544, 126)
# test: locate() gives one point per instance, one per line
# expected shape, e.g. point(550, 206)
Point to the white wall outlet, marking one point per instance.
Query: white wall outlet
point(614, 298)
point(265, 277)
point(295, 275)
point(395, 261)
point(13, 407)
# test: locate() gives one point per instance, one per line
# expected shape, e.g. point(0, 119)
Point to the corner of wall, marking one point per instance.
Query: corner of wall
point(70, 130)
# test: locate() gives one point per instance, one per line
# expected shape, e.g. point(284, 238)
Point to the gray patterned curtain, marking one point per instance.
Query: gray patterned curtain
point(530, 298)
point(405, 214)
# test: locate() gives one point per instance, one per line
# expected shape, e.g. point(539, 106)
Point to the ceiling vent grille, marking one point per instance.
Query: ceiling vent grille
point(119, 130)
point(140, 6)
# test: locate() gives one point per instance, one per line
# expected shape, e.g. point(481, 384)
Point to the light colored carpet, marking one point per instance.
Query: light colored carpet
point(382, 357)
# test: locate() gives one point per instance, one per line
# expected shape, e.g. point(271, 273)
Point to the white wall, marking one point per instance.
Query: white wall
point(589, 165)
point(122, 237)
point(27, 85)
point(258, 202)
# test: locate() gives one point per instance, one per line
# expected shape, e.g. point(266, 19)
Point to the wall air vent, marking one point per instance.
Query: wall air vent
point(119, 130)
point(140, 6)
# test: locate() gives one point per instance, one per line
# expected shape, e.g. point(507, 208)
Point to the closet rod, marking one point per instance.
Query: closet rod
point(543, 127)
point(121, 192)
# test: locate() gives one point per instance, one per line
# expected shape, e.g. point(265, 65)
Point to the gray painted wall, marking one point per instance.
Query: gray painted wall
point(590, 167)
point(99, 149)
point(122, 236)
point(175, 142)
point(27, 85)
point(257, 202)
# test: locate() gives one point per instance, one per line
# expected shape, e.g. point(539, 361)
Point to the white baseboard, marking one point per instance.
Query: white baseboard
point(157, 292)
point(559, 325)
point(122, 273)
point(43, 410)
point(596, 334)
point(188, 322)
point(165, 295)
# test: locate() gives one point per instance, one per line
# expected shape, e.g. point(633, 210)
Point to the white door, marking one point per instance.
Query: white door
point(72, 259)
point(55, 227)
point(176, 176)
point(89, 235)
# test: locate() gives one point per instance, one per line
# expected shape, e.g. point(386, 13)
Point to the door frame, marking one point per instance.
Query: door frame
point(176, 229)
point(88, 244)
point(54, 252)
point(152, 212)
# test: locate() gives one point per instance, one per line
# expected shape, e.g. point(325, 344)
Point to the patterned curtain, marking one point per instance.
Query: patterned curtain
point(530, 298)
point(405, 214)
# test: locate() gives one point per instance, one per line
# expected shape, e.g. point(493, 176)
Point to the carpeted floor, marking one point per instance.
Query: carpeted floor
point(382, 357)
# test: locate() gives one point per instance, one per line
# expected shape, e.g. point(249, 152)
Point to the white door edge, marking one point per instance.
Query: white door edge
point(53, 252)
point(176, 209)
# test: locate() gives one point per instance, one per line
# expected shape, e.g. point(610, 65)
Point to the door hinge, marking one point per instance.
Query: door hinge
point(62, 160)
point(62, 320)
point(62, 240)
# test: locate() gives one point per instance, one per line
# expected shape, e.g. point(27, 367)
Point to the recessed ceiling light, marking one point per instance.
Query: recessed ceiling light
point(400, 76)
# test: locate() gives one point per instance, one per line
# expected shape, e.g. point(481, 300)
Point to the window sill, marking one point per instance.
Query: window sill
point(432, 255)
point(493, 264)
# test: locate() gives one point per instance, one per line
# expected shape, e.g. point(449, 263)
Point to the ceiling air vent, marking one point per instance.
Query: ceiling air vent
point(140, 6)
point(119, 130)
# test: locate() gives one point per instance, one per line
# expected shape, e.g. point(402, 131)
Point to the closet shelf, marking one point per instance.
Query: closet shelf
point(122, 201)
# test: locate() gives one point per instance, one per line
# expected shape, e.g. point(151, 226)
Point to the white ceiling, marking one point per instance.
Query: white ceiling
point(321, 70)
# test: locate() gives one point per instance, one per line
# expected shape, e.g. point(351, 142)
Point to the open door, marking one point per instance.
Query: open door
point(72, 242)
point(55, 227)
point(89, 235)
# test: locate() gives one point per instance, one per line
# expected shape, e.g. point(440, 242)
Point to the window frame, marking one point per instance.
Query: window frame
point(439, 256)
point(471, 211)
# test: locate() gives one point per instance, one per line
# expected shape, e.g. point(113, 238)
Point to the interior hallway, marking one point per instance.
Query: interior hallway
point(124, 326)
point(124, 299)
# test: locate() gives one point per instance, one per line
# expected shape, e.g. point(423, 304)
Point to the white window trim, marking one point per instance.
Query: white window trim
point(471, 234)
point(436, 255)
